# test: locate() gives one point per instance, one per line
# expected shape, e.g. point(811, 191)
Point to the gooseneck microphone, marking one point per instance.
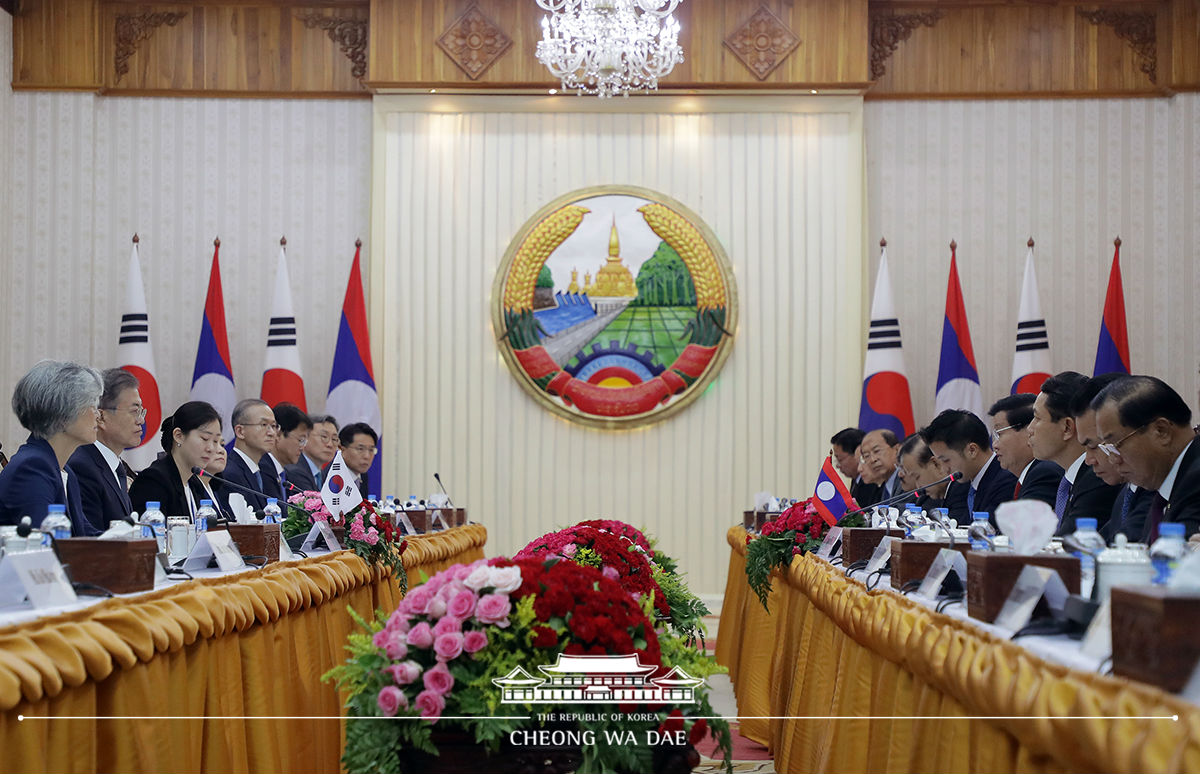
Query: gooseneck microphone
point(443, 488)
point(197, 472)
point(956, 476)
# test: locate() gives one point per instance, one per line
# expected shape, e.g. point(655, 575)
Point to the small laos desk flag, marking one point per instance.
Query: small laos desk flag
point(339, 493)
point(886, 401)
point(282, 382)
point(352, 396)
point(1112, 353)
point(958, 378)
point(1031, 363)
point(831, 498)
point(212, 379)
point(137, 357)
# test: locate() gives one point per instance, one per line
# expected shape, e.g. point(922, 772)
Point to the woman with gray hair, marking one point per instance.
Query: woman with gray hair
point(57, 403)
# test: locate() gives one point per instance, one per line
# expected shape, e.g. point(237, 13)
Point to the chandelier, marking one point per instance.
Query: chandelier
point(607, 47)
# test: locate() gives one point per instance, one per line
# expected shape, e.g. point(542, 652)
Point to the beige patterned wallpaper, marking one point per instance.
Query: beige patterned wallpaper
point(1073, 174)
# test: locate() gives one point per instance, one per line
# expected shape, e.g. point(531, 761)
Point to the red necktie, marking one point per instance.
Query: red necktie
point(1017, 491)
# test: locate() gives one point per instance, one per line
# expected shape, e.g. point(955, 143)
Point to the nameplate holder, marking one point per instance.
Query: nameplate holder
point(37, 576)
point(883, 552)
point(831, 545)
point(229, 556)
point(1032, 584)
point(436, 520)
point(285, 551)
point(161, 563)
point(947, 560)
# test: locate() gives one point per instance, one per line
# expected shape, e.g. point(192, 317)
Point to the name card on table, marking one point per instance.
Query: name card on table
point(285, 551)
point(216, 543)
point(36, 575)
point(1097, 641)
point(947, 560)
point(883, 552)
point(321, 529)
point(833, 540)
point(1032, 584)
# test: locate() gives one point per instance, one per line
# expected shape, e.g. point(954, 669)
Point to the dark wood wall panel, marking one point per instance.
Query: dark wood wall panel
point(974, 48)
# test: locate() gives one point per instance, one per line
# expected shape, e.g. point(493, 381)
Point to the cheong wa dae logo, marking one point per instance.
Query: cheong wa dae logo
point(597, 680)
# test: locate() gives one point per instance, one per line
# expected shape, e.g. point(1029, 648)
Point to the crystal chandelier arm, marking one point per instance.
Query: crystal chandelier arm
point(560, 6)
point(659, 8)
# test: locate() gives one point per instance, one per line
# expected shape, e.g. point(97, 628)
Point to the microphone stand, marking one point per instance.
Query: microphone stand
point(443, 488)
point(905, 495)
point(198, 472)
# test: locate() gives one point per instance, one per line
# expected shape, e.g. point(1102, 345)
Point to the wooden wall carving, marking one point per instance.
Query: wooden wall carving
point(762, 43)
point(474, 42)
point(351, 35)
point(1135, 28)
point(889, 30)
point(133, 28)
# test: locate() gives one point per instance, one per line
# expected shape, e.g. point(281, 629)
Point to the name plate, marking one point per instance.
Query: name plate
point(323, 530)
point(285, 551)
point(216, 543)
point(1097, 641)
point(1032, 584)
point(947, 560)
point(37, 576)
point(883, 552)
point(832, 541)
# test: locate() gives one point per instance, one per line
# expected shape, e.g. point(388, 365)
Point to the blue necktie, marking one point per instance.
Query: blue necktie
point(258, 478)
point(971, 502)
point(1060, 500)
point(1125, 504)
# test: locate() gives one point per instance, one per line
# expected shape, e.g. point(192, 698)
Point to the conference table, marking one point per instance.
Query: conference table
point(216, 674)
point(839, 678)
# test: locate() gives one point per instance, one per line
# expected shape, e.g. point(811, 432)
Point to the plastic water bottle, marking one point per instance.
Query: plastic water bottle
point(412, 504)
point(154, 524)
point(272, 512)
point(981, 526)
point(1087, 537)
point(56, 525)
point(1166, 551)
point(387, 511)
point(912, 515)
point(205, 512)
point(373, 500)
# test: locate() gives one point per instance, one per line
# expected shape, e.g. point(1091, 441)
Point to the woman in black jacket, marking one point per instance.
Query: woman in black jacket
point(190, 438)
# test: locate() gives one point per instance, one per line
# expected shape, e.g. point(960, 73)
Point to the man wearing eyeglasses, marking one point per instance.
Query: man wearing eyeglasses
point(360, 444)
point(844, 448)
point(1132, 504)
point(98, 467)
point(1036, 479)
point(255, 434)
point(1147, 428)
point(879, 450)
point(1052, 436)
point(309, 473)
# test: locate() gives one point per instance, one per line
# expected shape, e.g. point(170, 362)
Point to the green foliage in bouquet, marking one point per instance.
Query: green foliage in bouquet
point(796, 531)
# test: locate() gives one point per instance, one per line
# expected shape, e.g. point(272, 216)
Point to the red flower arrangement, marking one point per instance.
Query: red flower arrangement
point(617, 557)
point(620, 529)
point(796, 531)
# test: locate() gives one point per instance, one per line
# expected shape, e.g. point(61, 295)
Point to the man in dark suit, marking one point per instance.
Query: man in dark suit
point(920, 470)
point(1132, 503)
point(255, 431)
point(844, 448)
point(294, 429)
point(961, 442)
point(1052, 436)
point(308, 473)
point(1036, 479)
point(879, 451)
point(1146, 427)
point(360, 444)
point(98, 467)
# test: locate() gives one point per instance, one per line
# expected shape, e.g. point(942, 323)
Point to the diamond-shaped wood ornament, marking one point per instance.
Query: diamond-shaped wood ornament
point(474, 42)
point(762, 43)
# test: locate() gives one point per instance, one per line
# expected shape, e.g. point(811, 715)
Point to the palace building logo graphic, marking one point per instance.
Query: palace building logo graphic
point(597, 680)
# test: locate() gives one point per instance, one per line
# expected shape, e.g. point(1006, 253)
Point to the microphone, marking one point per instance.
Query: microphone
point(956, 476)
point(443, 488)
point(197, 472)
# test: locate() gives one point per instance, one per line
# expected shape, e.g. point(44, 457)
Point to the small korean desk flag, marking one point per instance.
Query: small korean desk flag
point(831, 498)
point(339, 493)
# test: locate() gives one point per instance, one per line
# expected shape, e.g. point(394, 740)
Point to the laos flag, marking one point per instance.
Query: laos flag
point(958, 378)
point(212, 378)
point(1031, 362)
point(886, 401)
point(352, 396)
point(831, 498)
point(1112, 353)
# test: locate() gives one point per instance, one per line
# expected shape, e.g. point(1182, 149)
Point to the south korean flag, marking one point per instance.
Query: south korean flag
point(339, 493)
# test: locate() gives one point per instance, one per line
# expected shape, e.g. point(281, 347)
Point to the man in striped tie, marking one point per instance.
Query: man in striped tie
point(1146, 428)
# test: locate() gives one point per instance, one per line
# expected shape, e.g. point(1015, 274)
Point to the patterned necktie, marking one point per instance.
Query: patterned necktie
point(1126, 502)
point(1060, 500)
point(971, 503)
point(1157, 509)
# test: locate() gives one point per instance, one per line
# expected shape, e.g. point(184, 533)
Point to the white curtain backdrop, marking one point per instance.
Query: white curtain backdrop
point(781, 186)
point(83, 173)
point(1073, 174)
